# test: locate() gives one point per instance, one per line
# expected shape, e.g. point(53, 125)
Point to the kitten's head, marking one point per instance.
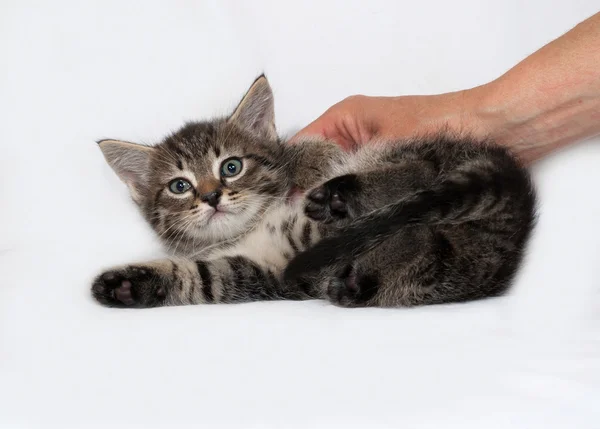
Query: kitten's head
point(209, 181)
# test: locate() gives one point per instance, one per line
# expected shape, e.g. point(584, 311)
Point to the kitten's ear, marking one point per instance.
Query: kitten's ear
point(130, 161)
point(256, 111)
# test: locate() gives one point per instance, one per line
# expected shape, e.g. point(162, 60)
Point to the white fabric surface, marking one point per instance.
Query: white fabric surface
point(74, 72)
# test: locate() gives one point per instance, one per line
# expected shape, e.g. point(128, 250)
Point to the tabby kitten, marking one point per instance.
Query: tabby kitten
point(246, 217)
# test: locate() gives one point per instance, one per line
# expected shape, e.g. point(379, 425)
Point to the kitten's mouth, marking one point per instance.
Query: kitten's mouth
point(218, 213)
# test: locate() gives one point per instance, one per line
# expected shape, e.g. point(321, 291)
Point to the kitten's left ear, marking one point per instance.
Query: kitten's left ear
point(256, 111)
point(131, 162)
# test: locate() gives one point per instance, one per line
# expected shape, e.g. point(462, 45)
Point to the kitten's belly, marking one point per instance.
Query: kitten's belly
point(283, 233)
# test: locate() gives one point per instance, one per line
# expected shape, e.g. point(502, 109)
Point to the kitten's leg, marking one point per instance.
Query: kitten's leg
point(423, 266)
point(411, 269)
point(383, 276)
point(351, 195)
point(186, 282)
point(494, 195)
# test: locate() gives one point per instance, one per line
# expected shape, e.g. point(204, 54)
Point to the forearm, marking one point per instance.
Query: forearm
point(549, 100)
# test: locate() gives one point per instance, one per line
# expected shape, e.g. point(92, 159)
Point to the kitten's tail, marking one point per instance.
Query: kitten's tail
point(463, 197)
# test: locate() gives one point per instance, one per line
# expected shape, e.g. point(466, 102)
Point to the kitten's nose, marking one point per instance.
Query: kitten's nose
point(212, 198)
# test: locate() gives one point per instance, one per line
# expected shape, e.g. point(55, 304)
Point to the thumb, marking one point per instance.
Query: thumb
point(315, 128)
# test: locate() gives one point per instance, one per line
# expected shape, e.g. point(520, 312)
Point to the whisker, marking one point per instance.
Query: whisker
point(183, 231)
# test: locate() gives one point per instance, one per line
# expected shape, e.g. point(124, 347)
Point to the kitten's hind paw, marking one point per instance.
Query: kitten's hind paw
point(351, 290)
point(131, 286)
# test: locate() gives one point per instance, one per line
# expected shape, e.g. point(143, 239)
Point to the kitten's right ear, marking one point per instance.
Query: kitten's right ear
point(130, 161)
point(256, 111)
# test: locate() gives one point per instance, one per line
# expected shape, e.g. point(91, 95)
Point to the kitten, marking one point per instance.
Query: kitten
point(247, 217)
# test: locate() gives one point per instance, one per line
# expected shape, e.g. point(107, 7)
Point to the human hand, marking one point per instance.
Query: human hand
point(359, 119)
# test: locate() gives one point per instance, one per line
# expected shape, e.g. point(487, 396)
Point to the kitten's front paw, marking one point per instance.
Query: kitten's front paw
point(329, 202)
point(131, 286)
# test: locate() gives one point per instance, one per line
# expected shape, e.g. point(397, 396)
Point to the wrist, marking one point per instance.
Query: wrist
point(471, 112)
point(535, 119)
point(482, 113)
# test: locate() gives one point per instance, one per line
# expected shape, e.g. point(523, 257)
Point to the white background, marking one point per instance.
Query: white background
point(75, 72)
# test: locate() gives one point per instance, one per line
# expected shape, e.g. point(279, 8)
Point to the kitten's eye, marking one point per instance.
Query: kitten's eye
point(231, 167)
point(179, 186)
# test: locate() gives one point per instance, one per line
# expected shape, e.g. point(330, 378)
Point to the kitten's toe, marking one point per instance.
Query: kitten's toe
point(319, 195)
point(343, 290)
point(315, 211)
point(123, 293)
point(338, 205)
